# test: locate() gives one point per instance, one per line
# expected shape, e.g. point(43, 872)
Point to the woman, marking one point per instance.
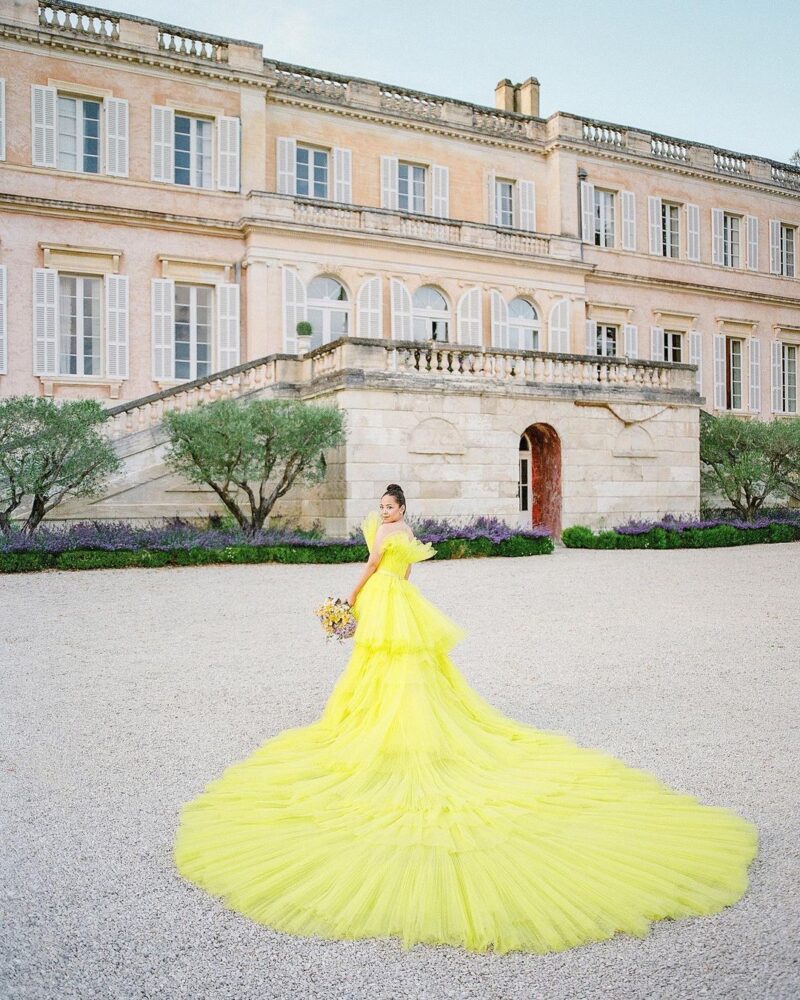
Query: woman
point(412, 808)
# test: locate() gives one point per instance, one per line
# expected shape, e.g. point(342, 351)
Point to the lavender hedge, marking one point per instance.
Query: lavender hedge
point(689, 532)
point(97, 544)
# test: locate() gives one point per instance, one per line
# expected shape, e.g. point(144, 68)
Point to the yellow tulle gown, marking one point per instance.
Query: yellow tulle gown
point(414, 809)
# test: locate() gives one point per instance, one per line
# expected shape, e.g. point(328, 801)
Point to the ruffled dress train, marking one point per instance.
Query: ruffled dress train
point(414, 809)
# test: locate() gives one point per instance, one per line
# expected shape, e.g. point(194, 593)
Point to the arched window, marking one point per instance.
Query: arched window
point(431, 315)
point(328, 311)
point(523, 326)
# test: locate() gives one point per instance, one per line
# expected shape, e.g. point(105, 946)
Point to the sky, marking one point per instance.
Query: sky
point(722, 72)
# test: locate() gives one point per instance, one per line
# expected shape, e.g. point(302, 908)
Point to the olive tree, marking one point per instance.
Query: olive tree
point(252, 453)
point(50, 451)
point(748, 461)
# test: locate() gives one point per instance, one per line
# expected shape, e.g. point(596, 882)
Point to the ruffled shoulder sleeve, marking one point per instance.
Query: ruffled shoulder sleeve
point(411, 549)
point(369, 527)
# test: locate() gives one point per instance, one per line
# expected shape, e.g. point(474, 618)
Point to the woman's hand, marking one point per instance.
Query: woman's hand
point(351, 600)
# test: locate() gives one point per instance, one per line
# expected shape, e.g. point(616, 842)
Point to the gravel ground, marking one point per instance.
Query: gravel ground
point(125, 692)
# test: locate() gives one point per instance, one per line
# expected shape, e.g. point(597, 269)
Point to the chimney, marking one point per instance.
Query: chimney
point(520, 97)
point(528, 97)
point(504, 96)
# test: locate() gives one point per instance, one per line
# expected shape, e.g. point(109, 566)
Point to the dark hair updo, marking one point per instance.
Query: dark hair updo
point(396, 492)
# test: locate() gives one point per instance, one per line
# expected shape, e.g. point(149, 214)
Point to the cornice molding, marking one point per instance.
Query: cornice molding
point(618, 278)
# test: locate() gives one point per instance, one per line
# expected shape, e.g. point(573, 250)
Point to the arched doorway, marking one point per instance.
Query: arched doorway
point(540, 477)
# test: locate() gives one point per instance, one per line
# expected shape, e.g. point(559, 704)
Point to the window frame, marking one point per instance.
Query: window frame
point(605, 221)
point(534, 327)
point(193, 342)
point(80, 132)
point(312, 149)
point(602, 339)
point(789, 398)
point(80, 356)
point(328, 307)
point(499, 198)
point(194, 119)
point(411, 167)
point(669, 346)
point(669, 250)
point(730, 370)
point(788, 256)
point(728, 243)
point(430, 316)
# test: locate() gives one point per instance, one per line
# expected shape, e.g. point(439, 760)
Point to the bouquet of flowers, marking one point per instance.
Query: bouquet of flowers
point(338, 621)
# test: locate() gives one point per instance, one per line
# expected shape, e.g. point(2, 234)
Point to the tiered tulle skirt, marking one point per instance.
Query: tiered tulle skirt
point(414, 809)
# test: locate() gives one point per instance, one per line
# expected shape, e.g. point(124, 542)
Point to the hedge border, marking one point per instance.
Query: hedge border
point(720, 536)
point(78, 559)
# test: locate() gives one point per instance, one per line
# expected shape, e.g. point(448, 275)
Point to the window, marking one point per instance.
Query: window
point(733, 373)
point(787, 251)
point(193, 305)
point(731, 238)
point(312, 171)
point(523, 326)
point(79, 325)
point(673, 346)
point(78, 135)
point(523, 487)
point(607, 340)
point(603, 218)
point(431, 317)
point(789, 378)
point(504, 203)
point(328, 311)
point(670, 230)
point(193, 151)
point(410, 187)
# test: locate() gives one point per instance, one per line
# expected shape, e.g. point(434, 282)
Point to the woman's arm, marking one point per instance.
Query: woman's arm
point(372, 564)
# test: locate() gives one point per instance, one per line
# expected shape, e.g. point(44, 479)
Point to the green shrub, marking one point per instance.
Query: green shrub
point(578, 537)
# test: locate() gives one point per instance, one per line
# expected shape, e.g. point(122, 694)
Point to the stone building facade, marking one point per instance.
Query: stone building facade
point(520, 316)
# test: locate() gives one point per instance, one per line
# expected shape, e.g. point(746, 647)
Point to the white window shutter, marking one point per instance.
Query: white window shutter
point(657, 343)
point(696, 357)
point(163, 322)
point(402, 321)
point(469, 312)
point(693, 232)
point(527, 205)
point(558, 327)
point(631, 340)
point(117, 142)
point(389, 182)
point(3, 321)
point(43, 126)
point(440, 201)
point(754, 350)
point(294, 307)
point(45, 321)
point(591, 336)
point(654, 225)
point(2, 119)
point(717, 236)
point(117, 325)
point(775, 246)
point(287, 166)
point(369, 309)
point(228, 153)
point(751, 223)
point(491, 198)
point(587, 212)
point(628, 202)
point(499, 311)
point(162, 138)
point(719, 371)
point(777, 376)
point(342, 175)
point(227, 326)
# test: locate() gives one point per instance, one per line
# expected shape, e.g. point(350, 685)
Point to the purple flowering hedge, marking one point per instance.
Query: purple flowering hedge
point(689, 533)
point(98, 545)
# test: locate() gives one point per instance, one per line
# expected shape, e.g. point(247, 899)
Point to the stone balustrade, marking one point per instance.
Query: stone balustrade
point(377, 221)
point(490, 369)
